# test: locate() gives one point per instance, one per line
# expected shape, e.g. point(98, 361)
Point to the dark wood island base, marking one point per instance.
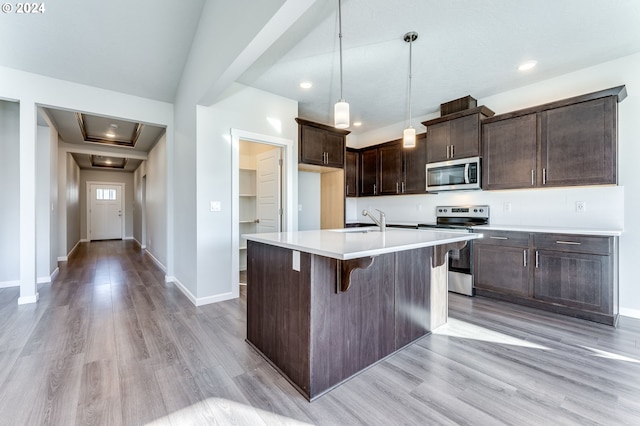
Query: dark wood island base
point(319, 336)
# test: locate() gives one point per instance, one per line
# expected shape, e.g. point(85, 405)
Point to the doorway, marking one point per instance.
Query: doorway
point(284, 182)
point(260, 194)
point(105, 211)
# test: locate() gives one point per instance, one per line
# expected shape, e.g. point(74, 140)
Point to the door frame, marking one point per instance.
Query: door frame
point(289, 166)
point(122, 205)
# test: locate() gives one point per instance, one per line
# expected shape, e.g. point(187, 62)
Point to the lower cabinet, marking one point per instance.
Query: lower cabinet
point(569, 274)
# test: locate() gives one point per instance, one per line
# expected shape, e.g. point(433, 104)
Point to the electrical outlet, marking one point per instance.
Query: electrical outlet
point(419, 207)
point(581, 206)
point(506, 207)
point(215, 206)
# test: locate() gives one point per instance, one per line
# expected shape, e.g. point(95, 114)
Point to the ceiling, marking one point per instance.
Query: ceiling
point(465, 47)
point(103, 143)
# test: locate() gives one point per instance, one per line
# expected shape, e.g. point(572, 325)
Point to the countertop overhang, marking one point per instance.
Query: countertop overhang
point(353, 243)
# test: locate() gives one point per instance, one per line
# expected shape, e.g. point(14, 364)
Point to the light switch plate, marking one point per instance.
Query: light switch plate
point(581, 206)
point(215, 206)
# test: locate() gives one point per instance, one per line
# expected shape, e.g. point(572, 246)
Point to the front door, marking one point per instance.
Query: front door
point(105, 214)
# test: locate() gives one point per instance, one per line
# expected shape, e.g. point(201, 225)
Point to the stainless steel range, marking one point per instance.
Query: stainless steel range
point(461, 218)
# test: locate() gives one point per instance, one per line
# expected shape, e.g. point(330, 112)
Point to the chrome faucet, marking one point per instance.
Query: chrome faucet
point(382, 223)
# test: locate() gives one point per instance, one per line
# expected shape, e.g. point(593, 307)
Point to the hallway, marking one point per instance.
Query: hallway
point(110, 342)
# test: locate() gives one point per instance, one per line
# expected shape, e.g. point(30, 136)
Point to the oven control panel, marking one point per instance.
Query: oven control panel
point(463, 211)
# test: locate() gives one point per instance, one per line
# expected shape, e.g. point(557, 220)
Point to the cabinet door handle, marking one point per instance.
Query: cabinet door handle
point(533, 177)
point(347, 188)
point(537, 259)
point(397, 187)
point(374, 189)
point(452, 152)
point(544, 176)
point(403, 186)
point(499, 238)
point(448, 151)
point(571, 243)
point(524, 257)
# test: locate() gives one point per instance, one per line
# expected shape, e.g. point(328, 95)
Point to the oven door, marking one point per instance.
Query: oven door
point(463, 174)
point(460, 278)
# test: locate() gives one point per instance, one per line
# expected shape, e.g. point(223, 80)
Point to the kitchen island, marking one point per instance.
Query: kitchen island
point(324, 305)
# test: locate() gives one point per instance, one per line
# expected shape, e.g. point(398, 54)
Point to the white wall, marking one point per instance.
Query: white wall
point(308, 200)
point(138, 176)
point(10, 193)
point(72, 196)
point(205, 77)
point(245, 109)
point(606, 206)
point(46, 203)
point(107, 176)
point(156, 201)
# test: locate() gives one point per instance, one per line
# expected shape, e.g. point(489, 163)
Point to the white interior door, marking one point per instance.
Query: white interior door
point(105, 214)
point(268, 191)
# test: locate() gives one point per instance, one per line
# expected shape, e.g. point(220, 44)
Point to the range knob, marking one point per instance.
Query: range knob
point(476, 210)
point(481, 210)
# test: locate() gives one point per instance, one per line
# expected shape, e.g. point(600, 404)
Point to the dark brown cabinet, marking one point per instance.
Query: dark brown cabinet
point(510, 151)
point(368, 172)
point(320, 145)
point(351, 173)
point(455, 135)
point(415, 159)
point(390, 180)
point(501, 263)
point(575, 271)
point(565, 143)
point(578, 144)
point(565, 273)
point(399, 170)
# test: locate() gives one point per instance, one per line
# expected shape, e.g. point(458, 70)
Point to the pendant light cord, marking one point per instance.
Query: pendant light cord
point(410, 67)
point(340, 38)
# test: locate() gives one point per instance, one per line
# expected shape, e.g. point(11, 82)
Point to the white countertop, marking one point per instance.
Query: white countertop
point(352, 243)
point(551, 230)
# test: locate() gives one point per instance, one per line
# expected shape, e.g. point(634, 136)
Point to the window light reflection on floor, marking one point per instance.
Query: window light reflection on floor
point(465, 330)
point(224, 411)
point(610, 355)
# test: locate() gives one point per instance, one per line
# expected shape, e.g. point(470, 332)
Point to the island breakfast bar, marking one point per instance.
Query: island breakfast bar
point(324, 305)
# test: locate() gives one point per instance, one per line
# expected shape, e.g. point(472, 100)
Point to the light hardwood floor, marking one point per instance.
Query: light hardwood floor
point(110, 342)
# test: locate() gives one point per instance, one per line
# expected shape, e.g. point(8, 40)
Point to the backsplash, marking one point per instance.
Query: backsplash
point(604, 206)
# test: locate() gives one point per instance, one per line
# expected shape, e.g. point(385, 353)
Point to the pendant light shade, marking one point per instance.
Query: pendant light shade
point(341, 109)
point(341, 114)
point(409, 137)
point(409, 134)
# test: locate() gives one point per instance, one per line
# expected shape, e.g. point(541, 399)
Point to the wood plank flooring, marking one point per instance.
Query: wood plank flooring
point(110, 342)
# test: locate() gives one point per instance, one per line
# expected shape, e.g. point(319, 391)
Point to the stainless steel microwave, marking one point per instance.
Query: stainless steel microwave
point(462, 174)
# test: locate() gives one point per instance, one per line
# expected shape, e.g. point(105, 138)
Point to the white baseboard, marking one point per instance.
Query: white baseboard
point(7, 284)
point(28, 299)
point(66, 258)
point(49, 279)
point(84, 240)
point(628, 312)
point(199, 301)
point(156, 261)
point(128, 238)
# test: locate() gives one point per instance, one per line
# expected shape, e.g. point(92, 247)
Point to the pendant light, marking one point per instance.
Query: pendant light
point(409, 134)
point(341, 108)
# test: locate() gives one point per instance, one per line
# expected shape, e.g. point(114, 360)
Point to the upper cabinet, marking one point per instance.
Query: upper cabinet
point(351, 167)
point(320, 145)
point(391, 169)
point(565, 143)
point(455, 135)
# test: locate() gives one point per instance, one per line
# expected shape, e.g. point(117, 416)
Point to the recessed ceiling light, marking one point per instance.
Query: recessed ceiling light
point(111, 135)
point(113, 126)
point(306, 85)
point(527, 65)
point(357, 123)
